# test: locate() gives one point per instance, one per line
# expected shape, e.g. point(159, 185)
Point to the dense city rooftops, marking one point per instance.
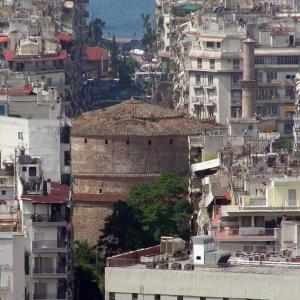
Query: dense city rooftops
point(135, 118)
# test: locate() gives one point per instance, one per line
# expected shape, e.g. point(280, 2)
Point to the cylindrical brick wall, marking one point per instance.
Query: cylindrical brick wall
point(132, 155)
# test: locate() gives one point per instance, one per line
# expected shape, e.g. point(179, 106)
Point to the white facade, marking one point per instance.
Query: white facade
point(41, 138)
point(12, 275)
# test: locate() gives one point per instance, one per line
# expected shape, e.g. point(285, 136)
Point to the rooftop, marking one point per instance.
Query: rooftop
point(96, 53)
point(135, 118)
point(79, 197)
point(59, 194)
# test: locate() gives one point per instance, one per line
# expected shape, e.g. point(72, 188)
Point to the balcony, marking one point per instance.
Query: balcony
point(45, 296)
point(49, 246)
point(49, 271)
point(55, 220)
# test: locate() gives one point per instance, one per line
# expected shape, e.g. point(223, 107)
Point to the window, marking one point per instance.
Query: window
point(235, 80)
point(2, 110)
point(210, 79)
point(259, 221)
point(259, 76)
point(32, 171)
point(111, 296)
point(85, 141)
point(246, 222)
point(179, 297)
point(198, 257)
point(134, 296)
point(106, 142)
point(157, 297)
point(212, 64)
point(67, 158)
point(198, 79)
point(236, 64)
point(199, 63)
point(127, 142)
point(292, 197)
point(271, 76)
point(26, 262)
point(149, 142)
point(24, 169)
point(218, 45)
point(100, 191)
point(20, 135)
point(3, 193)
point(171, 142)
point(210, 44)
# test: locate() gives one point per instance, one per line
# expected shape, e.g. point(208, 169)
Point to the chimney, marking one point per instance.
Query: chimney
point(49, 186)
point(249, 83)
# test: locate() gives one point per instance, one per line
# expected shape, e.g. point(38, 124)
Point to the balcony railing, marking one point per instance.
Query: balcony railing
point(48, 244)
point(44, 296)
point(61, 269)
point(47, 218)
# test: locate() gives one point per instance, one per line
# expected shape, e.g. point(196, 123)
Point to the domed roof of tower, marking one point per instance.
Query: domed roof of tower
point(135, 118)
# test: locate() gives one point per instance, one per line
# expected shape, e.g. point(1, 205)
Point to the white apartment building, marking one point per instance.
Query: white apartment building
point(12, 273)
point(152, 274)
point(214, 68)
point(44, 220)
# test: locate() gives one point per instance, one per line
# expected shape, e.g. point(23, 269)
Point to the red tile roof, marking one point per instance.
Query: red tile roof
point(10, 56)
point(79, 197)
point(27, 89)
point(59, 194)
point(64, 37)
point(4, 39)
point(96, 53)
point(223, 235)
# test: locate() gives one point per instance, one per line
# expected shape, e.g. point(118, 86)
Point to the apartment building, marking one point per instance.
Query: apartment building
point(44, 216)
point(156, 273)
point(214, 69)
point(12, 241)
point(253, 222)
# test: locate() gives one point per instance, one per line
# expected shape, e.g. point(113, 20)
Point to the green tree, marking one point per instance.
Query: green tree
point(114, 54)
point(89, 282)
point(96, 30)
point(152, 210)
point(150, 37)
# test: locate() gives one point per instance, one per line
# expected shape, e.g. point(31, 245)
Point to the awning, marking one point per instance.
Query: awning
point(206, 165)
point(289, 109)
point(211, 38)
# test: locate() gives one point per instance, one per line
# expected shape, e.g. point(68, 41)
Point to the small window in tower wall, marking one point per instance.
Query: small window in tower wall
point(106, 142)
point(85, 141)
point(111, 296)
point(149, 142)
point(127, 142)
point(171, 142)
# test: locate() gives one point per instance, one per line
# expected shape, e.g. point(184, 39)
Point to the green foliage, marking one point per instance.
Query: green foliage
point(285, 143)
point(150, 37)
point(96, 30)
point(114, 54)
point(89, 284)
point(152, 210)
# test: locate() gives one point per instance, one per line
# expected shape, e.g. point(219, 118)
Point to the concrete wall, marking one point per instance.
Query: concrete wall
point(44, 141)
point(88, 220)
point(237, 282)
